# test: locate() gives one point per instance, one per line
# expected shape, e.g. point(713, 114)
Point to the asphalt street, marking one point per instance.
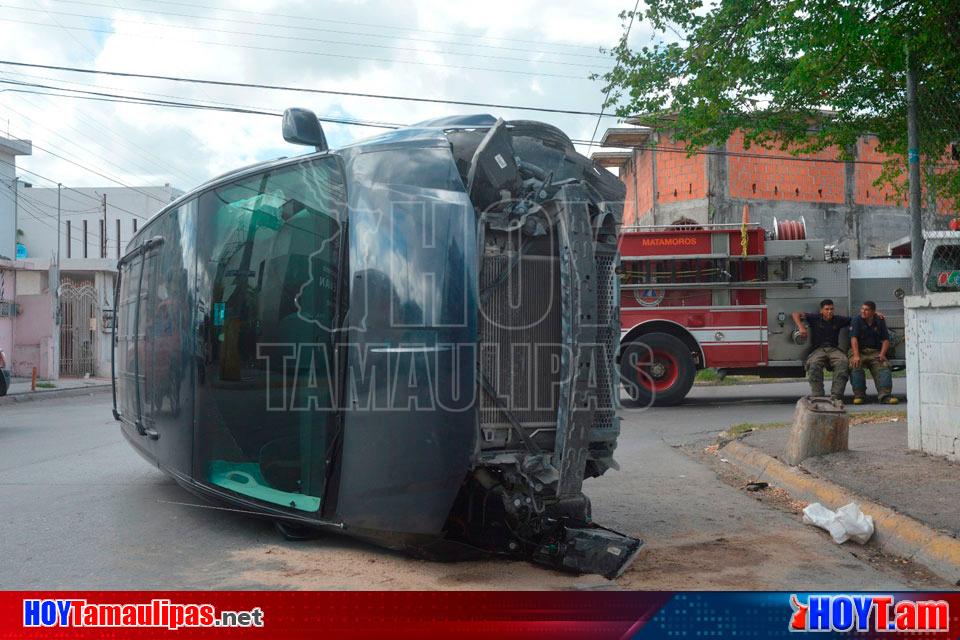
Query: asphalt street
point(83, 510)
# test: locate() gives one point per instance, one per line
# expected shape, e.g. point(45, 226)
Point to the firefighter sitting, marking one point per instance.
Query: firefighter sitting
point(869, 343)
point(825, 327)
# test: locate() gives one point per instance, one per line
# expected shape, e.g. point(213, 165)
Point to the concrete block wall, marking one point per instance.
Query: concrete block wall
point(627, 175)
point(638, 177)
point(644, 182)
point(864, 191)
point(837, 199)
point(933, 373)
point(679, 177)
point(756, 176)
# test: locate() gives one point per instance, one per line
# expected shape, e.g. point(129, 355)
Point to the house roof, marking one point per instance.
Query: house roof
point(625, 137)
point(611, 158)
point(15, 147)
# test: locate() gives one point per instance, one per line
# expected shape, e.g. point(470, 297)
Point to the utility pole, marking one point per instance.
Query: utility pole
point(913, 163)
point(59, 187)
point(103, 236)
point(16, 213)
point(57, 280)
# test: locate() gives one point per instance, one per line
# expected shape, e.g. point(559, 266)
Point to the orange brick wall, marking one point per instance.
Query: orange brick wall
point(644, 181)
point(637, 176)
point(944, 206)
point(765, 175)
point(764, 178)
point(865, 174)
point(868, 194)
point(679, 177)
point(630, 201)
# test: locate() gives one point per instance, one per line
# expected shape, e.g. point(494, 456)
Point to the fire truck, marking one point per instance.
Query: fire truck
point(721, 296)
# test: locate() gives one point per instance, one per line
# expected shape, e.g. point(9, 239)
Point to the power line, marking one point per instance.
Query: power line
point(33, 213)
point(84, 149)
point(76, 240)
point(299, 38)
point(102, 175)
point(302, 18)
point(128, 99)
point(90, 121)
point(139, 92)
point(79, 212)
point(29, 211)
point(81, 193)
point(351, 94)
point(746, 154)
point(65, 159)
point(732, 154)
point(57, 22)
point(158, 103)
point(43, 177)
point(93, 122)
point(323, 54)
point(606, 94)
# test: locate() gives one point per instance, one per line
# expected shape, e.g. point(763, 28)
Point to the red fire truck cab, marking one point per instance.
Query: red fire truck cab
point(721, 296)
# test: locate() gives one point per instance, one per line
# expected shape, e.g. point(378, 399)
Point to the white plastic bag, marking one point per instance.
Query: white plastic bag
point(846, 523)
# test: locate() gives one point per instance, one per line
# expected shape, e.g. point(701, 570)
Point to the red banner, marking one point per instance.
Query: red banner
point(303, 614)
point(422, 615)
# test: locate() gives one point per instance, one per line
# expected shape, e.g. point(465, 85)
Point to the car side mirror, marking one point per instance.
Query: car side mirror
point(301, 126)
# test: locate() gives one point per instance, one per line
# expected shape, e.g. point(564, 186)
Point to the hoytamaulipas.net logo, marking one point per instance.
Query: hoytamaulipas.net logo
point(859, 612)
point(159, 612)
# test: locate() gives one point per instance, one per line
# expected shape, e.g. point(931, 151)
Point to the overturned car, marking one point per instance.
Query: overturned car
point(409, 340)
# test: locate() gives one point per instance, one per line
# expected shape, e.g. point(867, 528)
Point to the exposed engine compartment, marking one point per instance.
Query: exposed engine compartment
point(549, 330)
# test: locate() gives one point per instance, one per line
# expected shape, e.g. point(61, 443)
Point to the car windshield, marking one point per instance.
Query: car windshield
point(269, 260)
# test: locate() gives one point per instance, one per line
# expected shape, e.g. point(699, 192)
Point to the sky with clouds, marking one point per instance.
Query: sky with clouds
point(532, 53)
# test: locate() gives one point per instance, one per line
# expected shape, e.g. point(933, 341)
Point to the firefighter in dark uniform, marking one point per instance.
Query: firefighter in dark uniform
point(869, 343)
point(825, 328)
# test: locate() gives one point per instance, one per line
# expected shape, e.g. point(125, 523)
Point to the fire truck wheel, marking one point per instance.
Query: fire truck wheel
point(657, 369)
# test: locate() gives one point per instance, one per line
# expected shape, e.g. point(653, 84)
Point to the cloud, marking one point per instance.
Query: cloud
point(529, 53)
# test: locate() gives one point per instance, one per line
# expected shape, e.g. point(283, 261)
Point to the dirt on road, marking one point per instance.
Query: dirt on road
point(763, 561)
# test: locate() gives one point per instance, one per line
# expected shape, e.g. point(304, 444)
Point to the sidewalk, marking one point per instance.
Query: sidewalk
point(911, 495)
point(64, 387)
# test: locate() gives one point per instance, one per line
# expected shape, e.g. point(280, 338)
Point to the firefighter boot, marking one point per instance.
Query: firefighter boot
point(839, 384)
point(884, 382)
point(858, 380)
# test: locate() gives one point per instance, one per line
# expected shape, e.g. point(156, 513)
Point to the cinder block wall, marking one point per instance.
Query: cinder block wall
point(679, 177)
point(933, 373)
point(837, 199)
point(762, 174)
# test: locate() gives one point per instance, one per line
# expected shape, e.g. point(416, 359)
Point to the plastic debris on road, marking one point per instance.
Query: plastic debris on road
point(846, 523)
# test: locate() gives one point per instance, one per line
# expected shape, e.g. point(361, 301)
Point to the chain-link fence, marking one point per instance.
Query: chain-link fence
point(941, 261)
point(939, 172)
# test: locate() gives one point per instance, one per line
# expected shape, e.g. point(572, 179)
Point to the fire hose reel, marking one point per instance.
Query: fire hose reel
point(790, 229)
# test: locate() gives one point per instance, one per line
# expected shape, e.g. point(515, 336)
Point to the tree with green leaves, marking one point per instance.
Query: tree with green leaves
point(802, 75)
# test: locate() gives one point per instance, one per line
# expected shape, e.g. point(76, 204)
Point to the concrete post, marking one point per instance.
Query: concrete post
point(819, 427)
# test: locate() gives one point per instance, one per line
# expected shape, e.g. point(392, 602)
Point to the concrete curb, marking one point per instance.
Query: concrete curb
point(51, 394)
point(894, 532)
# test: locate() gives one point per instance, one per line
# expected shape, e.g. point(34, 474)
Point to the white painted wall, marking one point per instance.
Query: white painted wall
point(132, 207)
point(933, 373)
point(9, 150)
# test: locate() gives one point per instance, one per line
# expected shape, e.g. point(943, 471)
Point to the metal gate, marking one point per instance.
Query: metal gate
point(78, 328)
